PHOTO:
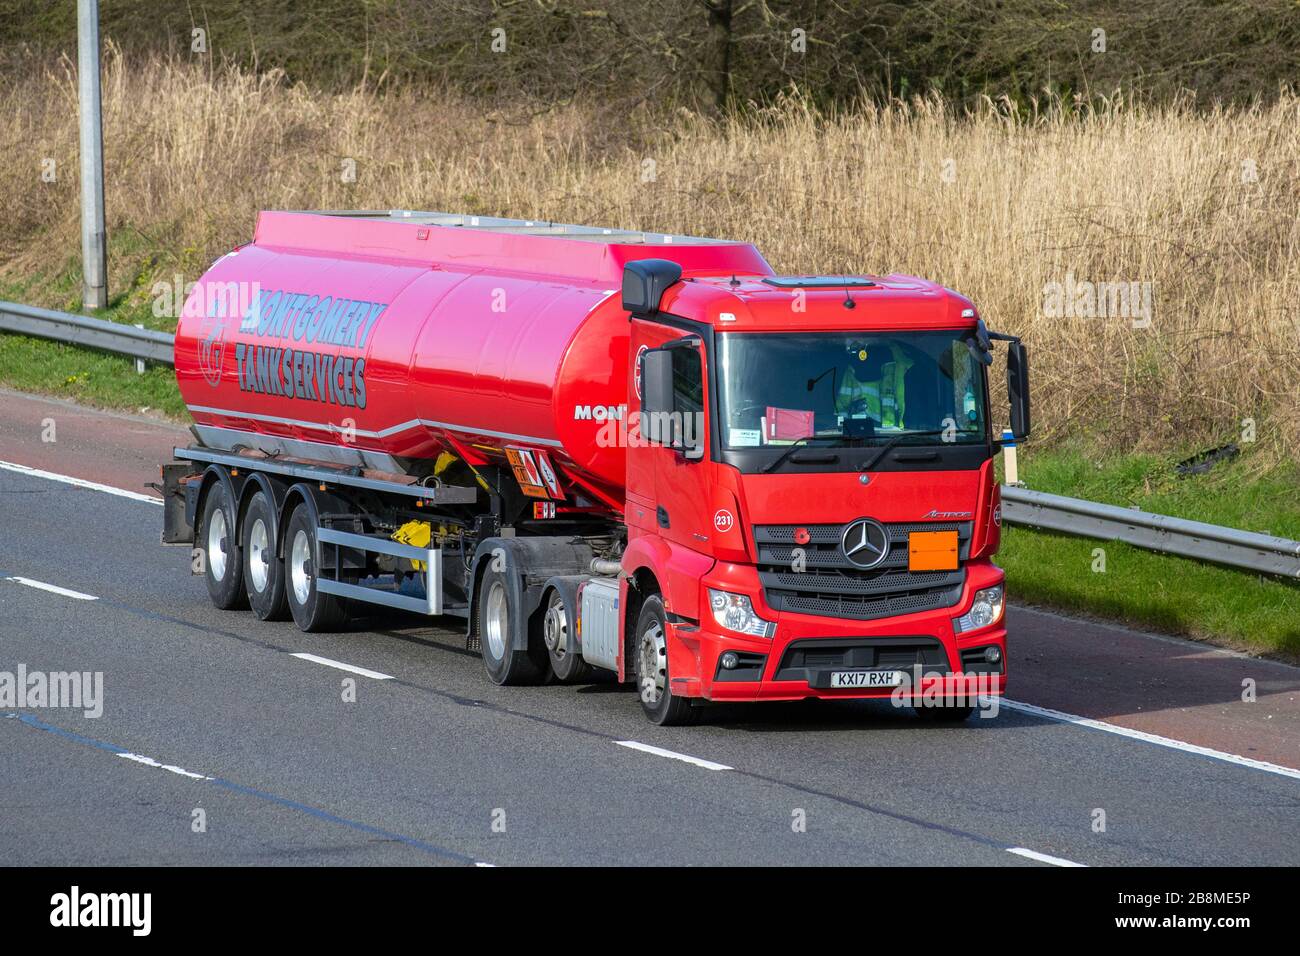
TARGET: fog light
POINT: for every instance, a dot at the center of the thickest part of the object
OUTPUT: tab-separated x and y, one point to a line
992	655
730	661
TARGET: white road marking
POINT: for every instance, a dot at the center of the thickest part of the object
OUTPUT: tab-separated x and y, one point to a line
490	866
150	762
672	755
52	588
1063	717
1043	857
78	482
343	667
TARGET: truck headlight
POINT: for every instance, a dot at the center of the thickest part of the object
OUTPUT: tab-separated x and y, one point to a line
986	609
735	612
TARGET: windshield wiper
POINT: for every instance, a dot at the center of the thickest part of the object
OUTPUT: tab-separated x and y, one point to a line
880	453
795	445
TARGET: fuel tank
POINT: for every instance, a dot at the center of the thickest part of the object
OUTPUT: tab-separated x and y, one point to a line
384	340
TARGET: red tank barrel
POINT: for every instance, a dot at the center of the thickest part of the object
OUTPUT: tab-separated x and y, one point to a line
385	339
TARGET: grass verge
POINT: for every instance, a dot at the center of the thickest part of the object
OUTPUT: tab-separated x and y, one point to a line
88	376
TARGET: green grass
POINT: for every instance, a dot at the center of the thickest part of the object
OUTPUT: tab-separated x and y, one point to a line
1257	613
88	376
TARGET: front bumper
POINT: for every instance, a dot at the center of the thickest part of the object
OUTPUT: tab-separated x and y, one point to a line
797	662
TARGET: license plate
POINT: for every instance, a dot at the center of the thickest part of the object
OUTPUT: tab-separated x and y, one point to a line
866	678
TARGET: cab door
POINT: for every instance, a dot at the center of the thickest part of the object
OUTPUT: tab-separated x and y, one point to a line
677	447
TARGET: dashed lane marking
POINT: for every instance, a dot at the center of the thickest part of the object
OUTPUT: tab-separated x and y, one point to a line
171	768
1043	857
52	588
339	665
78	482
672	755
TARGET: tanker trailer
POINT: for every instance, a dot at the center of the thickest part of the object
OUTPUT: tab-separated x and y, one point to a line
599	448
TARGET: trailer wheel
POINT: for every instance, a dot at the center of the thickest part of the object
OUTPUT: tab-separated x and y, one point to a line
312	609
505	665
263	571
557	635
223	564
653	683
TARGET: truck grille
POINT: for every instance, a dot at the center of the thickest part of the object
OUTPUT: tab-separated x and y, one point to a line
831	586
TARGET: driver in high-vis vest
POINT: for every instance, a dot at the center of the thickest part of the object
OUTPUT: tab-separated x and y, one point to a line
881	396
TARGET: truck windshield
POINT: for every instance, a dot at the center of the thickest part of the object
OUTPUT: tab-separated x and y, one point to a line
839	388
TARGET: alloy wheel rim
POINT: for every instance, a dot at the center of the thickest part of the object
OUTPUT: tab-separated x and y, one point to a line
300	567
217	552
654	662
496	620
259	555
555	628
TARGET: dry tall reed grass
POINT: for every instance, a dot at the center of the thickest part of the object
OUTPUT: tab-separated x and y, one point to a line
995	203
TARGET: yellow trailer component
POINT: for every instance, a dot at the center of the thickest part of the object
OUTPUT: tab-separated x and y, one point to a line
418	534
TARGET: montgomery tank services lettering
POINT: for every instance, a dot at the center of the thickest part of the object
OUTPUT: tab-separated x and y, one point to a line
312	374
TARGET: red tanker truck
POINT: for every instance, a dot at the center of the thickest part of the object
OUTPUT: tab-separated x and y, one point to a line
600	448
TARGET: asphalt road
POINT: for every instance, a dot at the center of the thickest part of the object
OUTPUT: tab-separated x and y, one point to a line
209	718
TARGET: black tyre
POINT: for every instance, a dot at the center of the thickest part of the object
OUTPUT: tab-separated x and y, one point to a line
944	715
505	665
312	609
263	570
223	564
554	622
653	683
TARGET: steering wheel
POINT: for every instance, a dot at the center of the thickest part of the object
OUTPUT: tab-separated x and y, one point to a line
855	406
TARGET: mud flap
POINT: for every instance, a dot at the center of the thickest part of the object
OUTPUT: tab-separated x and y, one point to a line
180	487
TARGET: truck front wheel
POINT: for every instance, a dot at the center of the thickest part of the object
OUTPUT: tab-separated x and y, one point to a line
312	609
506	665
223	563
653	682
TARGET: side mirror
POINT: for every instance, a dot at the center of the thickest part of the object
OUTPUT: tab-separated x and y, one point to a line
644	283
657	395
670	416
1018	388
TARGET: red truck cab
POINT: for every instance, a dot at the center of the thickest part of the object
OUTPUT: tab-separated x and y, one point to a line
816	506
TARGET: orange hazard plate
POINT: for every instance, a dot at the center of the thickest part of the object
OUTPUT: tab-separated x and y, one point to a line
932	551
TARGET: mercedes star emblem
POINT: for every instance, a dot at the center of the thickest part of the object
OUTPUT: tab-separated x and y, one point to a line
865	543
